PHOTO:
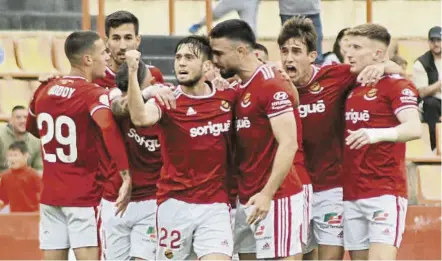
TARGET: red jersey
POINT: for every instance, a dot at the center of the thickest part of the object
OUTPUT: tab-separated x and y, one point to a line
377	169
299	160
20	188
144	164
265	95
70	140
321	110
195	140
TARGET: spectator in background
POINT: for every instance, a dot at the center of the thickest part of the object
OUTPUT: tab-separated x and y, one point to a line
247	11
310	9
261	52
20	185
16	131
338	53
426	77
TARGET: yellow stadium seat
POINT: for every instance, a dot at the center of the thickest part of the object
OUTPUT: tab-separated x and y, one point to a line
8	62
34	55
12	93
438	138
61	62
429	184
420	147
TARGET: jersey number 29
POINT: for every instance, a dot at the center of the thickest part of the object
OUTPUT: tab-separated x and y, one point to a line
54	128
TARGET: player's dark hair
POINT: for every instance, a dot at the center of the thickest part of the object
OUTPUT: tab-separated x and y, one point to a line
337	45
118	18
261	47
122	75
301	28
19	145
234	29
77	43
18	107
198	44
371	31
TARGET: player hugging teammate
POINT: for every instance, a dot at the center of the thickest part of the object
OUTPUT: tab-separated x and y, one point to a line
165	166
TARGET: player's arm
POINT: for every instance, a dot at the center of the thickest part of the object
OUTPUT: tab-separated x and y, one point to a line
141	114
31	121
373	73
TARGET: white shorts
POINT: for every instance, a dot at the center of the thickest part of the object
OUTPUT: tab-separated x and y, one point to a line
327	217
306	235
184	228
374	220
278	235
133	235
68	227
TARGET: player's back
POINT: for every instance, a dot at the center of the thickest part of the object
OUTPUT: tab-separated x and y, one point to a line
63	109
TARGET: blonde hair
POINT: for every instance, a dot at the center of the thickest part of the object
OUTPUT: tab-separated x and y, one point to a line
371	31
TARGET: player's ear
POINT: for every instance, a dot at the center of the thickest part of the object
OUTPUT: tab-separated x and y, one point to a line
138	39
242	50
87	59
207	66
312	56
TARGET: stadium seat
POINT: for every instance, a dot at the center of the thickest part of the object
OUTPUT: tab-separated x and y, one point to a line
12	93
429	184
34	55
438	138
8	62
420	147
61	62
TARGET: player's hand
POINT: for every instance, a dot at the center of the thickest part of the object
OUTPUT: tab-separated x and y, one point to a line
261	205
371	74
163	95
44	78
124	195
357	139
132	59
220	84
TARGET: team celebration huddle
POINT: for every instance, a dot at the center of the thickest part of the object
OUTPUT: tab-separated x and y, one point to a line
243	158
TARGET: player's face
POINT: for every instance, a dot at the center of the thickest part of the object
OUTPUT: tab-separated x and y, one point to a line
225	56
100	58
188	65
18	121
16	159
122	39
296	60
261	55
362	52
435	46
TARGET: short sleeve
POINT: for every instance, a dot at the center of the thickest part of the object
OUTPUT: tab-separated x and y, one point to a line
403	95
276	98
97	99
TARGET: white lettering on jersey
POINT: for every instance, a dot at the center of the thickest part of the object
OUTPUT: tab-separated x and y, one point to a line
306	109
61	91
214	129
355	116
408	96
151	145
243	123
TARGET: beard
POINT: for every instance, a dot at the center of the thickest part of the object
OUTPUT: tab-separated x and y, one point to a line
228	73
190	82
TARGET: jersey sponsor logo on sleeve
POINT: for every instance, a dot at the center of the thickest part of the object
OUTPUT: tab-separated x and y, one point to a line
306	109
356	116
61	91
243	123
225	106
246	100
315	88
149	144
281	101
371	94
408	96
214	129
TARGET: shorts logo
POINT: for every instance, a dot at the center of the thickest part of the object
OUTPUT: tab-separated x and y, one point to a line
152	232
246	100
225	106
168	253
380	215
316	88
371	94
225	243
341	234
333	218
386	231
266	246
259	231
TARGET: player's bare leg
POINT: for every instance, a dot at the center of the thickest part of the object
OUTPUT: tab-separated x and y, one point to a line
312	255
326	252
216	257
380	251
359	254
56	254
87	253
247	256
